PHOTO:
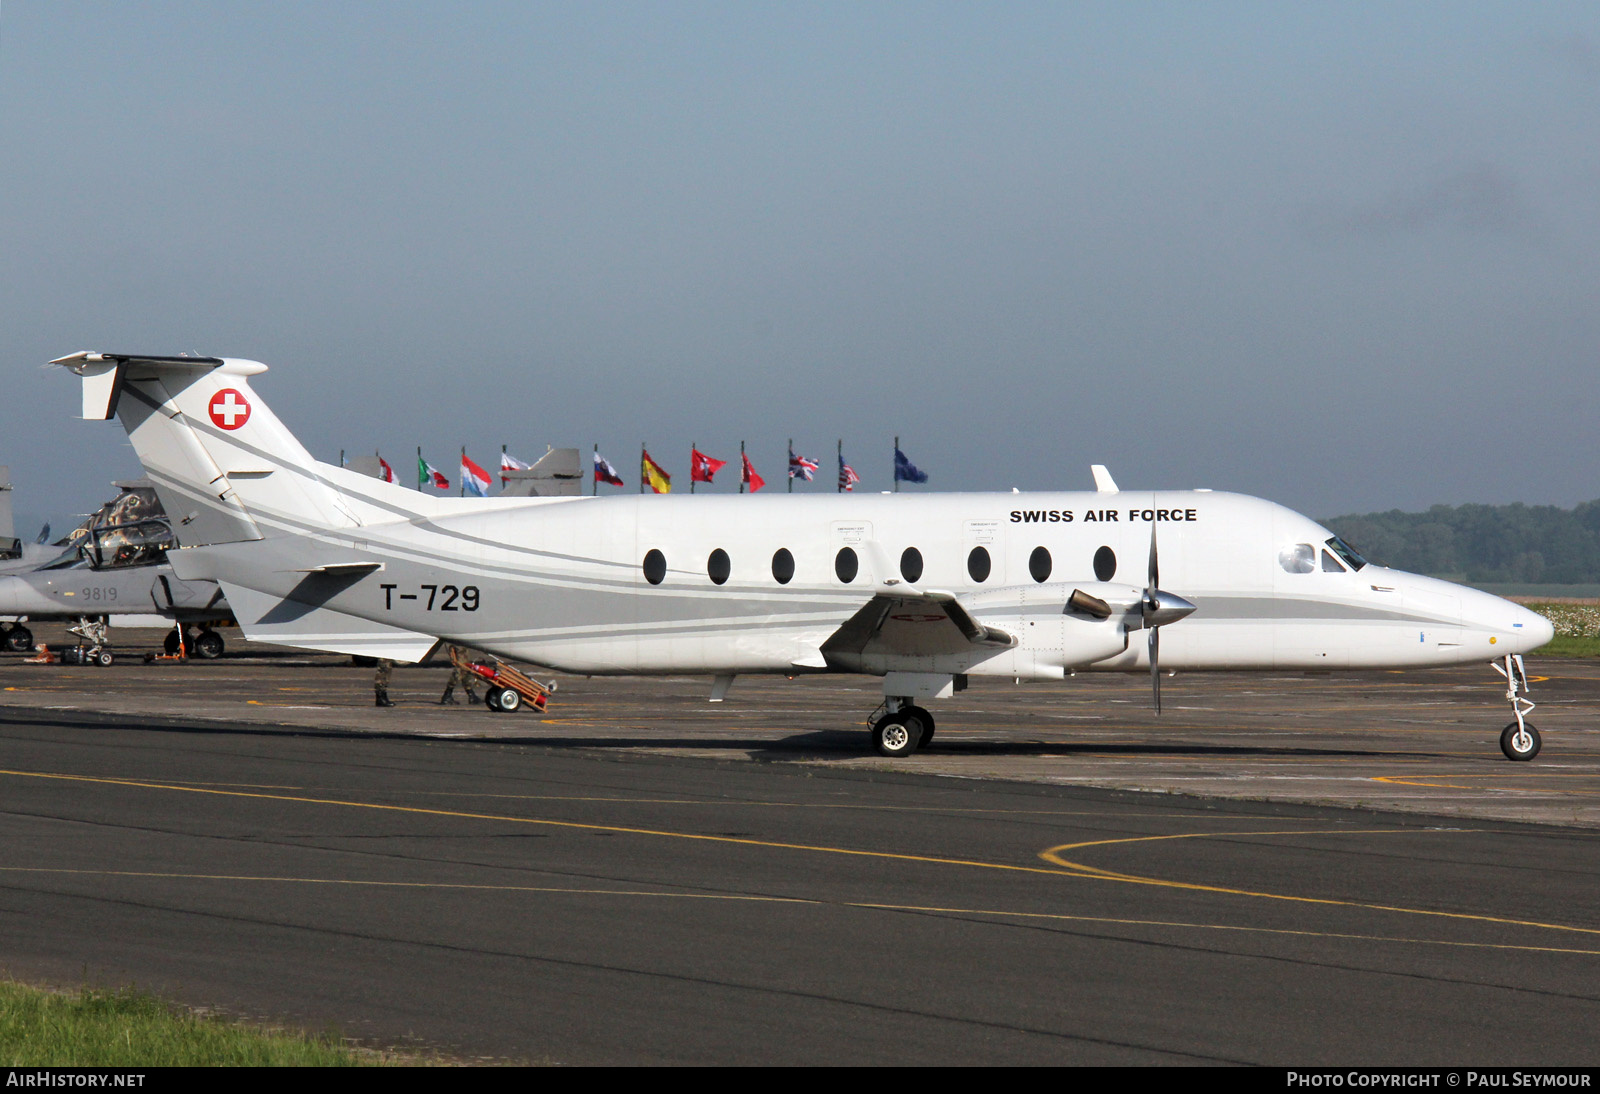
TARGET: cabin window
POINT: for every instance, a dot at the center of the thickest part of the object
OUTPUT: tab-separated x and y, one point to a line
655	566
782	566
846	564
1298	558
979	564
718	567
1039	564
910	564
1105	564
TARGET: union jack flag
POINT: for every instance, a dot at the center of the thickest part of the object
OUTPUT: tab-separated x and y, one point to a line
802	468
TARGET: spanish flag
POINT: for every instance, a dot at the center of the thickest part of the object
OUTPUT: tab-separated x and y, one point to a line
651	474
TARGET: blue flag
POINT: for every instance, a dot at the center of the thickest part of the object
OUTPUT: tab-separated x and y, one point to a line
905	470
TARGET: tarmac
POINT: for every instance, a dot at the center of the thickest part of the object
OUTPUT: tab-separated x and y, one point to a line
1414	741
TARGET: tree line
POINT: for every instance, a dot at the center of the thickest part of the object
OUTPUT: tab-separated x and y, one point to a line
1483	543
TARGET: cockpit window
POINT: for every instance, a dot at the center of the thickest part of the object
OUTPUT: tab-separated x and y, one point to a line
1298	558
141	544
129	530
1330	565
10	547
1352	558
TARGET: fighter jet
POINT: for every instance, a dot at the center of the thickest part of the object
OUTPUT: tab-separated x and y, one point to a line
921	590
113	567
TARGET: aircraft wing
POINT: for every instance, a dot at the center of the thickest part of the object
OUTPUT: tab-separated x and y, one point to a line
914	623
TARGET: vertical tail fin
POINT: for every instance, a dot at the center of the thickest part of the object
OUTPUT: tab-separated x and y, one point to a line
226	468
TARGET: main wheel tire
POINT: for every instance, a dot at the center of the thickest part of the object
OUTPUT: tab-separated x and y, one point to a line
510	700
897	734
491	699
1518	745
104	659
208	645
169	644
19	639
927	723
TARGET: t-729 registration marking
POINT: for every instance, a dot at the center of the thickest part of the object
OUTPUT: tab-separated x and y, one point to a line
442	598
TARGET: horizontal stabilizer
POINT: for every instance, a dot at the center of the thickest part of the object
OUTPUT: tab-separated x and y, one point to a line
267	618
358	568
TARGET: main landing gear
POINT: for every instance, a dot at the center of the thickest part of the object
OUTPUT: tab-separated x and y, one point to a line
207	645
15	637
902	728
1519	740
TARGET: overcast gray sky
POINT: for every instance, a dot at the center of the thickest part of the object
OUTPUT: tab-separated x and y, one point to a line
1345	256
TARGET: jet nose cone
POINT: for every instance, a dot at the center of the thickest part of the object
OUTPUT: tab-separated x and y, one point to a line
1514	629
1535	631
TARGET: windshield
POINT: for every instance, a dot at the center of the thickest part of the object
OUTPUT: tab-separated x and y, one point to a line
1352	557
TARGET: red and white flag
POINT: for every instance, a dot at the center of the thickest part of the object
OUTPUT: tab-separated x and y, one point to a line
509	463
474	479
702	466
386	473
749	477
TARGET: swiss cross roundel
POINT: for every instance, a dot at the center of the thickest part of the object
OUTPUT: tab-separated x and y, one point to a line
229	409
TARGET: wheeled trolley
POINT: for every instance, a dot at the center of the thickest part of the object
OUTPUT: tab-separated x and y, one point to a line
509	689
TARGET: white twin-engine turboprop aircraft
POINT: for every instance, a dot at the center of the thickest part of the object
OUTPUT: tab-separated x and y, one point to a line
923	590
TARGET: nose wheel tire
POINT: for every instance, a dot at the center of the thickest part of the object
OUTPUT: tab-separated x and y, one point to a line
1520	742
897	734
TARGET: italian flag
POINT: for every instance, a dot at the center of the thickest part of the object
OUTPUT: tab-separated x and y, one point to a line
428	475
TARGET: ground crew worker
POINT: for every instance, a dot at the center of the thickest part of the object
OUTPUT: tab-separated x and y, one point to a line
380	683
459	675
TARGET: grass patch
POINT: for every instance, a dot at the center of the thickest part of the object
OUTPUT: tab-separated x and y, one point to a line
127	1028
1577	629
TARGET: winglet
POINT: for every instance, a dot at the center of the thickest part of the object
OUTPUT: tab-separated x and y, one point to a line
1103	482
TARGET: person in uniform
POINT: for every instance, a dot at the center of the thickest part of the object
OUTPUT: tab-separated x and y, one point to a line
380	683
459	675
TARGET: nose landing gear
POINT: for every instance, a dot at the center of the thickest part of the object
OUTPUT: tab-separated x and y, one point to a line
1519	740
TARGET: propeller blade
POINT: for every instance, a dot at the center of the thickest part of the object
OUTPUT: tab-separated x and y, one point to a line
1155	570
1155	666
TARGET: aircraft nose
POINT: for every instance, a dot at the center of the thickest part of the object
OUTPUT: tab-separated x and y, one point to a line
1535	630
1511	627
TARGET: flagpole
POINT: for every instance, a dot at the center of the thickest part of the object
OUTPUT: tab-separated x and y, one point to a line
741	467
595	490
419	469
839	489
641	467
897	465
461	488
694	446
791	465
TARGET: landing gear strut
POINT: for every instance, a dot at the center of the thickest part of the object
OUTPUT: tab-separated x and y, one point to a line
1519	740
